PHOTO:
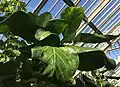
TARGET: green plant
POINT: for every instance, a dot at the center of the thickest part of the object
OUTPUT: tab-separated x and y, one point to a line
10	6
42	58
100	79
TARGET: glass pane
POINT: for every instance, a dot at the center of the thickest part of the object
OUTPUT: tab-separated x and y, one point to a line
32	5
47	6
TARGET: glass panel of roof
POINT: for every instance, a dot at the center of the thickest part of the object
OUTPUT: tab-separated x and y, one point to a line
87	29
110	19
32	5
114	30
1	36
102	46
105	13
116	45
56	7
4	38
57	15
47	6
111	22
89	10
114	51
82	2
119	42
26	1
88	45
88	5
113	54
89	2
59	8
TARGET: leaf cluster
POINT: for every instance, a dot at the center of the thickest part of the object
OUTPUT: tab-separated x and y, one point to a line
10	6
42	57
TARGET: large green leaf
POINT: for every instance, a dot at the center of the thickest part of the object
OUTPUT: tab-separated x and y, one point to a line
89	58
110	64
47	38
43	19
42	34
60	61
74	15
69	2
92	38
57	25
21	25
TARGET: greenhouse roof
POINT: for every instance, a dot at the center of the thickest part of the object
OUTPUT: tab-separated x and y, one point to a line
104	14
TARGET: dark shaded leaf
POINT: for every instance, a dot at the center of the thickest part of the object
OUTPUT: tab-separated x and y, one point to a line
60	61
21	25
11	84
25	72
56	25
89	82
2	18
43	19
33	17
8	68
110	64
3	28
47	38
93	38
69	2
74	15
107	84
110	37
89	58
94	73
68	39
36	65
1	44
80	83
26	51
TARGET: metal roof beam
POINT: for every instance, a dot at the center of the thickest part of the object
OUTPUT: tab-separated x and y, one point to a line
113	41
39	7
